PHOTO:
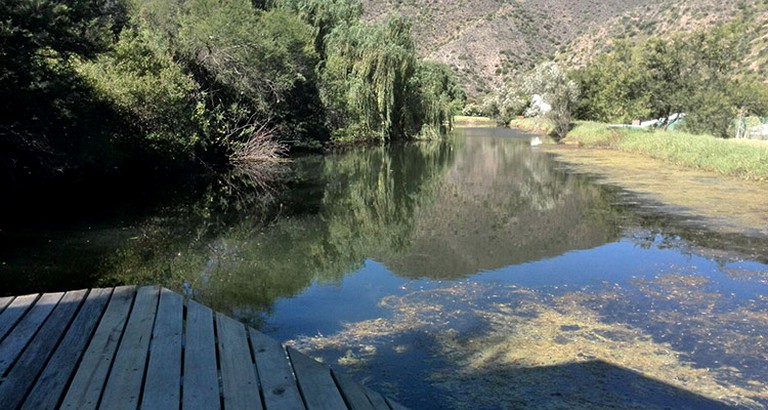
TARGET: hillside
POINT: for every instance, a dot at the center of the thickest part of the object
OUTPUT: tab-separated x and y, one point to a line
668	18
489	41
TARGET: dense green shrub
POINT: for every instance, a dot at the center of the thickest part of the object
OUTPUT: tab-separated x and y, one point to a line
698	74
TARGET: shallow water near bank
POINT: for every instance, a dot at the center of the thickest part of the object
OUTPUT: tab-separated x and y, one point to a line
722	203
474	273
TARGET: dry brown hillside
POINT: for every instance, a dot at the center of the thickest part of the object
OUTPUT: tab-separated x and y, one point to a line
489	41
667	18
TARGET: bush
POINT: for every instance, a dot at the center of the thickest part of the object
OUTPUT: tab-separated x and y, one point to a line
561	93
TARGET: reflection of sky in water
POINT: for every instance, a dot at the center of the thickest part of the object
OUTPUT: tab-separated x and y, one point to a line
323	308
619	263
412	260
615	280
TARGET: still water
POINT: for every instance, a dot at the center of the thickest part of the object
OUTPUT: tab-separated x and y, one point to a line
472	273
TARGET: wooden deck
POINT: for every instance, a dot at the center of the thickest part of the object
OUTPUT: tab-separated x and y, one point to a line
128	348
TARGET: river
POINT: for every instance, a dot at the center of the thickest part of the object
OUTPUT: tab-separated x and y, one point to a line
472	273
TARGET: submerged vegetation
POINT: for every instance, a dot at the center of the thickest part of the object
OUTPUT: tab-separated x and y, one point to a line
130	87
671	341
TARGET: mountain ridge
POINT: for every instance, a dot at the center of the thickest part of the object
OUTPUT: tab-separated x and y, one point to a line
490	42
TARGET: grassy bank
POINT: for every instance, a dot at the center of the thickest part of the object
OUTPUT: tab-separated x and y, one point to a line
535	125
739	158
467	121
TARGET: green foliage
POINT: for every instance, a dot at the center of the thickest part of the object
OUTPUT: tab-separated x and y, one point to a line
727	157
555	88
150	91
613	88
505	105
440	96
698	74
367	83
325	15
102	84
49	121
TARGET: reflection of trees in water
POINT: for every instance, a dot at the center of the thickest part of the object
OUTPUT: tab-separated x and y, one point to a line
501	204
237	260
440	210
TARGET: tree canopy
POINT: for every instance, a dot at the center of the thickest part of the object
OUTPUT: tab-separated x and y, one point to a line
698	74
118	84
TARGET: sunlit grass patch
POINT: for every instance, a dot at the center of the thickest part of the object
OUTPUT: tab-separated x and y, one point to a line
726	157
469	121
538	125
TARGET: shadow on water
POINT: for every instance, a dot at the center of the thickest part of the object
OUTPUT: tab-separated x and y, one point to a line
593	384
672	342
476	270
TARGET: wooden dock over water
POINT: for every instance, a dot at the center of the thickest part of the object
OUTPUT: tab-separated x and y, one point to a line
148	348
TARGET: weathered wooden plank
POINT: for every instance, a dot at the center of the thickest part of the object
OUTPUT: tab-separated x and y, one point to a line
86	387
14	312
123	388
240	386
275	373
5	301
49	388
144	337
30	364
378	401
353	392
315	383
162	388
13	345
200	390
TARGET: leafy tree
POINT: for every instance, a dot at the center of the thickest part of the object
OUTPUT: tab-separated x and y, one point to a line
252	67
49	121
367	80
552	84
440	96
151	93
698	74
613	87
505	105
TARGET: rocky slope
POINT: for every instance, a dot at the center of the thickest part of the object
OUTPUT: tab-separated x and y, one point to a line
488	42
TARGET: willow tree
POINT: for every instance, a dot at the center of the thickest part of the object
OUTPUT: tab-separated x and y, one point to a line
440	97
324	15
367	80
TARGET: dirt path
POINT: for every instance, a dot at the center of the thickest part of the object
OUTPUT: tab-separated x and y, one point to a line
725	204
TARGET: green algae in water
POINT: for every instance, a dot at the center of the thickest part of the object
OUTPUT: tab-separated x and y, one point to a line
651	344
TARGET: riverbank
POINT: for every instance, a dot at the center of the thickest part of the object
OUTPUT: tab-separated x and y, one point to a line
713	183
463	121
720	203
743	159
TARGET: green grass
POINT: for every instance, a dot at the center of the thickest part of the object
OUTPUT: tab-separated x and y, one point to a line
467	121
739	158
728	157
538	125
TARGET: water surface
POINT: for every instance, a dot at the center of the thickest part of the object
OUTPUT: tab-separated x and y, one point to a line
472	273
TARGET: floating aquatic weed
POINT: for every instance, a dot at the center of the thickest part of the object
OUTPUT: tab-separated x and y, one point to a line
564	340
495	346
743	275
